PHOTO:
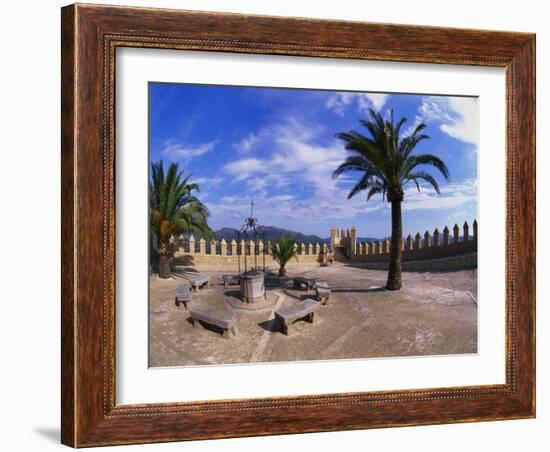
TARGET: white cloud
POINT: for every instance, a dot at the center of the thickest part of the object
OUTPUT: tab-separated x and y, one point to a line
272	209
256	184
282	198
457	116
297	161
294	153
207	180
179	151
374	100
293	184
230	199
338	102
248	143
331	205
452	196
245	168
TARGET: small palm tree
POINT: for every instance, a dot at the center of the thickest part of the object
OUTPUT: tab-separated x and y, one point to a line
173	209
386	164
282	251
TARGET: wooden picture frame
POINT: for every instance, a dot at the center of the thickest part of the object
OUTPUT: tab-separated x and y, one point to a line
90	36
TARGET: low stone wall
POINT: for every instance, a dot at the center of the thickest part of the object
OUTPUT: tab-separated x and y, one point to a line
451	263
221	255
231	263
452	248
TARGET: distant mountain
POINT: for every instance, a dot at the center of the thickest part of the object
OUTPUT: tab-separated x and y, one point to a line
272	233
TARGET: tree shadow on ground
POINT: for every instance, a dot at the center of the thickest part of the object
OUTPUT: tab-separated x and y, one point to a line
304	295
433	269
358	290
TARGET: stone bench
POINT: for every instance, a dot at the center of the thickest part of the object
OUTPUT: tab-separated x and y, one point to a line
303	282
231	280
198	280
322	291
289	314
218	315
183	294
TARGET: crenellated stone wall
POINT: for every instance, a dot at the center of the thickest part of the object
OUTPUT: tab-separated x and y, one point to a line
344	247
222	254
429	245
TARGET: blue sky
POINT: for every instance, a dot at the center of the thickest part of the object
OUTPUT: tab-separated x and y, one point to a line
278	147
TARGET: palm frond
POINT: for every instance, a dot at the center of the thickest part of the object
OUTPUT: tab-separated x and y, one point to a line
283	250
421	175
426	159
352	163
173	208
384	159
374	190
368	180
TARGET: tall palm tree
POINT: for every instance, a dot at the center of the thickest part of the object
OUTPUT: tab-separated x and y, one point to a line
386	163
173	209
282	251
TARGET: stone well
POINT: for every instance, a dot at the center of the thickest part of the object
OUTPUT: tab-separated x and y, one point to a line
253	286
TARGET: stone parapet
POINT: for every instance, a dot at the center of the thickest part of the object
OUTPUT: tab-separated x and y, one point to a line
441	264
223	255
422	245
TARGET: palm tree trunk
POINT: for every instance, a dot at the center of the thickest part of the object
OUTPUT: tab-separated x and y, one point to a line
164	259
282	270
396	251
164	267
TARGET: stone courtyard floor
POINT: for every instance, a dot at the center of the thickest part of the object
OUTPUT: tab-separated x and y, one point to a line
434	314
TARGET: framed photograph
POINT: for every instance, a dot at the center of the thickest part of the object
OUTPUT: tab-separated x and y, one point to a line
281	225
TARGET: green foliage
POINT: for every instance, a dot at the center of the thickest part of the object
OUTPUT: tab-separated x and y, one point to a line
283	250
385	158
173	207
